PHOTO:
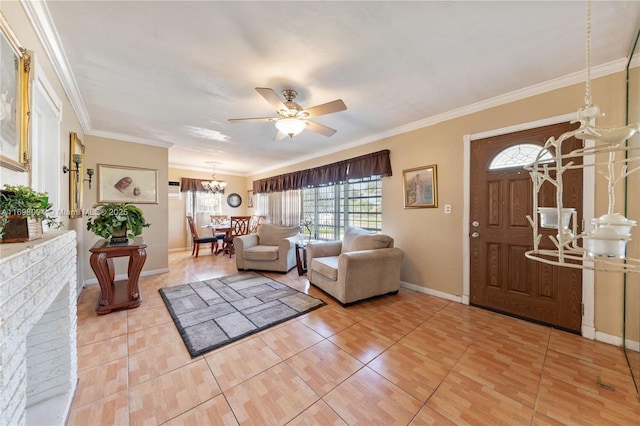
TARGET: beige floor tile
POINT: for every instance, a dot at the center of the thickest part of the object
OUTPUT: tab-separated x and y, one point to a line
273	397
411	371
154	313
328	320
585	375
94	354
318	414
573	405
150	337
608	356
96	328
323	366
157	361
110	410
290	338
213	412
427	416
367	398
500	373
235	364
374	362
167	396
361	342
467	402
100	382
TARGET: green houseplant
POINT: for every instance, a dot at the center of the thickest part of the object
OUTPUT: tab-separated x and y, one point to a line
22	211
117	221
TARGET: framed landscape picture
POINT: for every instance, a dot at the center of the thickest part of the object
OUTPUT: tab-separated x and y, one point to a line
122	184
15	64
420	187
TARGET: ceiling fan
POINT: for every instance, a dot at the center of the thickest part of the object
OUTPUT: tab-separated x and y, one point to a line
292	118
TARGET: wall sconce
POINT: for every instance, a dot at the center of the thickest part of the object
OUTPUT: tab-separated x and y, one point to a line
77	159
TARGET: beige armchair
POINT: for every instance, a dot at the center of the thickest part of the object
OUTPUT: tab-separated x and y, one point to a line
270	248
361	266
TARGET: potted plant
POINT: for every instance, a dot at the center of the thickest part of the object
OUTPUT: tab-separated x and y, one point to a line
22	211
117	221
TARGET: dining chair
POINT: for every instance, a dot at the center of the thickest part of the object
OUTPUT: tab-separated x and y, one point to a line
197	240
254	222
219	219
239	226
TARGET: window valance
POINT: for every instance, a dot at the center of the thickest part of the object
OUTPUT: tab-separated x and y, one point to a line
373	164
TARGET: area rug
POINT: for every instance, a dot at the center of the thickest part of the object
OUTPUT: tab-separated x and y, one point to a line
212	313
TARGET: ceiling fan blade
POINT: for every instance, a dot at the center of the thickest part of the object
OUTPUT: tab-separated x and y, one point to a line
319	128
328	108
239	120
271	97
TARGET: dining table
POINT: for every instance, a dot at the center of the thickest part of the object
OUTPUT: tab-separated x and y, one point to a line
217	228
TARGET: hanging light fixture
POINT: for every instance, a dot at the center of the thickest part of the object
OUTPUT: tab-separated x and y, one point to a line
291	126
214	185
603	248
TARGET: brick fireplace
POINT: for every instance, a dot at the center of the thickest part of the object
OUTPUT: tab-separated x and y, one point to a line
38	354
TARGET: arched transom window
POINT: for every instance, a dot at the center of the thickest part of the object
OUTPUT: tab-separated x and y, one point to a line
520	155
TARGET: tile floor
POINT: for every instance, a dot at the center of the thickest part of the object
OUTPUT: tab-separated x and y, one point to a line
397	360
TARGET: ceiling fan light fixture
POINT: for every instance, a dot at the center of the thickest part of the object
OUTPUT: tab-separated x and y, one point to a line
290	126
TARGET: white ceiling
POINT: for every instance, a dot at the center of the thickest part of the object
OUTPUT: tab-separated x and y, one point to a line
172	73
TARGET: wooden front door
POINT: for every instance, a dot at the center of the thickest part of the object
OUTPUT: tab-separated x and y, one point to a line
502	278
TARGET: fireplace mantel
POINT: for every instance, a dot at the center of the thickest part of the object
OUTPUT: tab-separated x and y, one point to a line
38	354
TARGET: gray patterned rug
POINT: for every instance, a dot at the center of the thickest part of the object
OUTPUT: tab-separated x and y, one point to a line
212	313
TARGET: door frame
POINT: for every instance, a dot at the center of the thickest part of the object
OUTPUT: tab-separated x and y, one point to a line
588	208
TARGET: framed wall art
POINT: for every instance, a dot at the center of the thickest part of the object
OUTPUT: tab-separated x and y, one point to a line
250	198
420	187
76	175
122	184
14	100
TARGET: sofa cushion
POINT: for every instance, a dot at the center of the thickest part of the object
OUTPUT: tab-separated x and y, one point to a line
261	252
327	266
356	239
271	235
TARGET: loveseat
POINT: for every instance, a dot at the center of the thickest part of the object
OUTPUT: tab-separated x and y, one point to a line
270	248
362	265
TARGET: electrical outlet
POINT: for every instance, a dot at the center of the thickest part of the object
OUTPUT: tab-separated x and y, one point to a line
447	208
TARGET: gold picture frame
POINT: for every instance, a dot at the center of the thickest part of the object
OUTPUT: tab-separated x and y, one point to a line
123	184
14	100
250	198
76	176
420	187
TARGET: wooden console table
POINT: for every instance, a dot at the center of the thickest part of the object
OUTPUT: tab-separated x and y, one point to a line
122	293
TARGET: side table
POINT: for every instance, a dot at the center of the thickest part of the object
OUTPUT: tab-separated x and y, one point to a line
301	256
122	293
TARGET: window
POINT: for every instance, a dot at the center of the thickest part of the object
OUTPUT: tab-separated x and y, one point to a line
334	207
520	155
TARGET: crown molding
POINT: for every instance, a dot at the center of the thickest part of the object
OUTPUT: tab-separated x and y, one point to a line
40	18
127	138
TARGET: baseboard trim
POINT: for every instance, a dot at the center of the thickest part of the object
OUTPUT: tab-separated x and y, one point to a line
431	292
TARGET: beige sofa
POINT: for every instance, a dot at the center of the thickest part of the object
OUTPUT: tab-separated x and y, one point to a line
361	266
270	248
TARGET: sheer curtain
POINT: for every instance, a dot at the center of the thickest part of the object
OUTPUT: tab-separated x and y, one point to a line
281	208
199	204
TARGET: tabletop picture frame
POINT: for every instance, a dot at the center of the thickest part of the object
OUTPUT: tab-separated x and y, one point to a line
14	138
420	187
124	184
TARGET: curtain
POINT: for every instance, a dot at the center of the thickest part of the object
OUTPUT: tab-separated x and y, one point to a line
282	208
373	164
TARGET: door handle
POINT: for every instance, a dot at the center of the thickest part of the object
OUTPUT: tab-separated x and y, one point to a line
475	235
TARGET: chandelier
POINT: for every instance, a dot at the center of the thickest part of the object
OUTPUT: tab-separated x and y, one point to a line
604	247
214	185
